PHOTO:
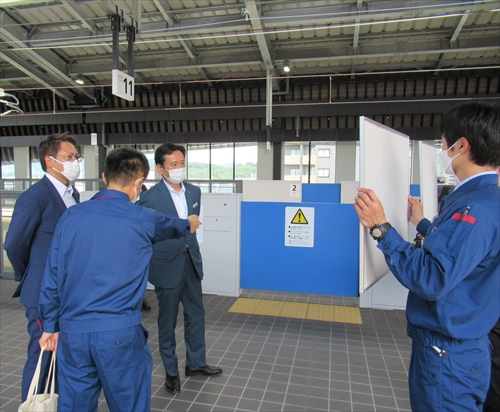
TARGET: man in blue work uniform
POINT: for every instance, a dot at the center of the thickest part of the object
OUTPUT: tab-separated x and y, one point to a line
93	288
453	280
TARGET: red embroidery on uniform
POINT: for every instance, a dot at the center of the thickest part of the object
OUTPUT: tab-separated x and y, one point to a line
464	218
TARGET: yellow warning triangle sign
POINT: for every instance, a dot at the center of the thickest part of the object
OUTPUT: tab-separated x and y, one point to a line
299	218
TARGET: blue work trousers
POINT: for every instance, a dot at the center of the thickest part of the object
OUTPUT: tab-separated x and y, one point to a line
118	361
449	378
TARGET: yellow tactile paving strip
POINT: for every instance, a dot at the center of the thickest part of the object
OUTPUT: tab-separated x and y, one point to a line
297	310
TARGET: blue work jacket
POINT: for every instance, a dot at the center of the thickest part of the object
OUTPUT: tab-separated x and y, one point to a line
97	267
454	278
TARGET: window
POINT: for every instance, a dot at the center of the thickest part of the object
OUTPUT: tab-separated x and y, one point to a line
245	161
198	161
324	172
324	153
294	152
223	162
295	172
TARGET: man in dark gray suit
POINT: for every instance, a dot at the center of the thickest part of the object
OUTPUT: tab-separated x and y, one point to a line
176	269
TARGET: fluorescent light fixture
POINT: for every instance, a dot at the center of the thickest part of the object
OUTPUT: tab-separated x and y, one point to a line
286	66
79	80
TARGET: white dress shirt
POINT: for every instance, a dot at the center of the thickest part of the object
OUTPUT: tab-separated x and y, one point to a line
179	198
66	192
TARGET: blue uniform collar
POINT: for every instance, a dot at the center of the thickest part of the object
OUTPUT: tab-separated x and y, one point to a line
114	194
479	181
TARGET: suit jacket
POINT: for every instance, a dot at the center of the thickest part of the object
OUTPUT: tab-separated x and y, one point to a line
169	256
27	242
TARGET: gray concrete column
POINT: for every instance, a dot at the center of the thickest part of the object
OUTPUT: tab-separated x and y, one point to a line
345	162
22	166
264	162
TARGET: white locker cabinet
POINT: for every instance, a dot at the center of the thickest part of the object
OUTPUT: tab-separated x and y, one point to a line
220	243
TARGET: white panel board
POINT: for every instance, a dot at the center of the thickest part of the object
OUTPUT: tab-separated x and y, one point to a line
348	191
272	191
428	179
384	168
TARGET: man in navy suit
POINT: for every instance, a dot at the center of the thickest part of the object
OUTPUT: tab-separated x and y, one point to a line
176	269
34	220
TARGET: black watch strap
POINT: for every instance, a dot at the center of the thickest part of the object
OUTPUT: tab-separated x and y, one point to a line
378	232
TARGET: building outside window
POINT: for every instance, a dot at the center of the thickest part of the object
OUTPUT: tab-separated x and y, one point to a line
323	172
303	161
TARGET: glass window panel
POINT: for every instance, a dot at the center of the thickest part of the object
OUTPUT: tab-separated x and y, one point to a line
149	152
198	162
204	186
245	159
223	187
323	152
7	207
36	168
7	163
222	161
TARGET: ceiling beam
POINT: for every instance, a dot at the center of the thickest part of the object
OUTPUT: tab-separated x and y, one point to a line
41	78
164	9
79	14
47	60
454	37
355	40
332	54
264	45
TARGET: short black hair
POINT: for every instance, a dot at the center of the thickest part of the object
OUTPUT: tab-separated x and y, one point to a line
124	165
479	123
165	149
51	145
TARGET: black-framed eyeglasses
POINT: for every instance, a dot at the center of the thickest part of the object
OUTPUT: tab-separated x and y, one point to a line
70	157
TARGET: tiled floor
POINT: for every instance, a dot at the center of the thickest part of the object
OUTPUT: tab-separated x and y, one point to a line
270	364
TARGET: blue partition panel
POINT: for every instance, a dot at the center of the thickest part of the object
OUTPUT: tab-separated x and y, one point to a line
321	192
415	190
331	267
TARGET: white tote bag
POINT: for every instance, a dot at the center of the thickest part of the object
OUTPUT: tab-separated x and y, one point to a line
46	401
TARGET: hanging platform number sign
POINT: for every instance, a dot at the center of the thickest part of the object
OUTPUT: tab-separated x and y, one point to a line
122	85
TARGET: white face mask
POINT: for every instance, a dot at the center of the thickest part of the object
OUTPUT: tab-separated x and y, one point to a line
137	196
446	160
176	176
71	169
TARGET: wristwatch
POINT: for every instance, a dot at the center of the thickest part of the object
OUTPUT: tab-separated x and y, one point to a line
378	232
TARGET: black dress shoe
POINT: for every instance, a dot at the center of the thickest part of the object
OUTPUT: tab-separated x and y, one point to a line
145	305
206	370
173	384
